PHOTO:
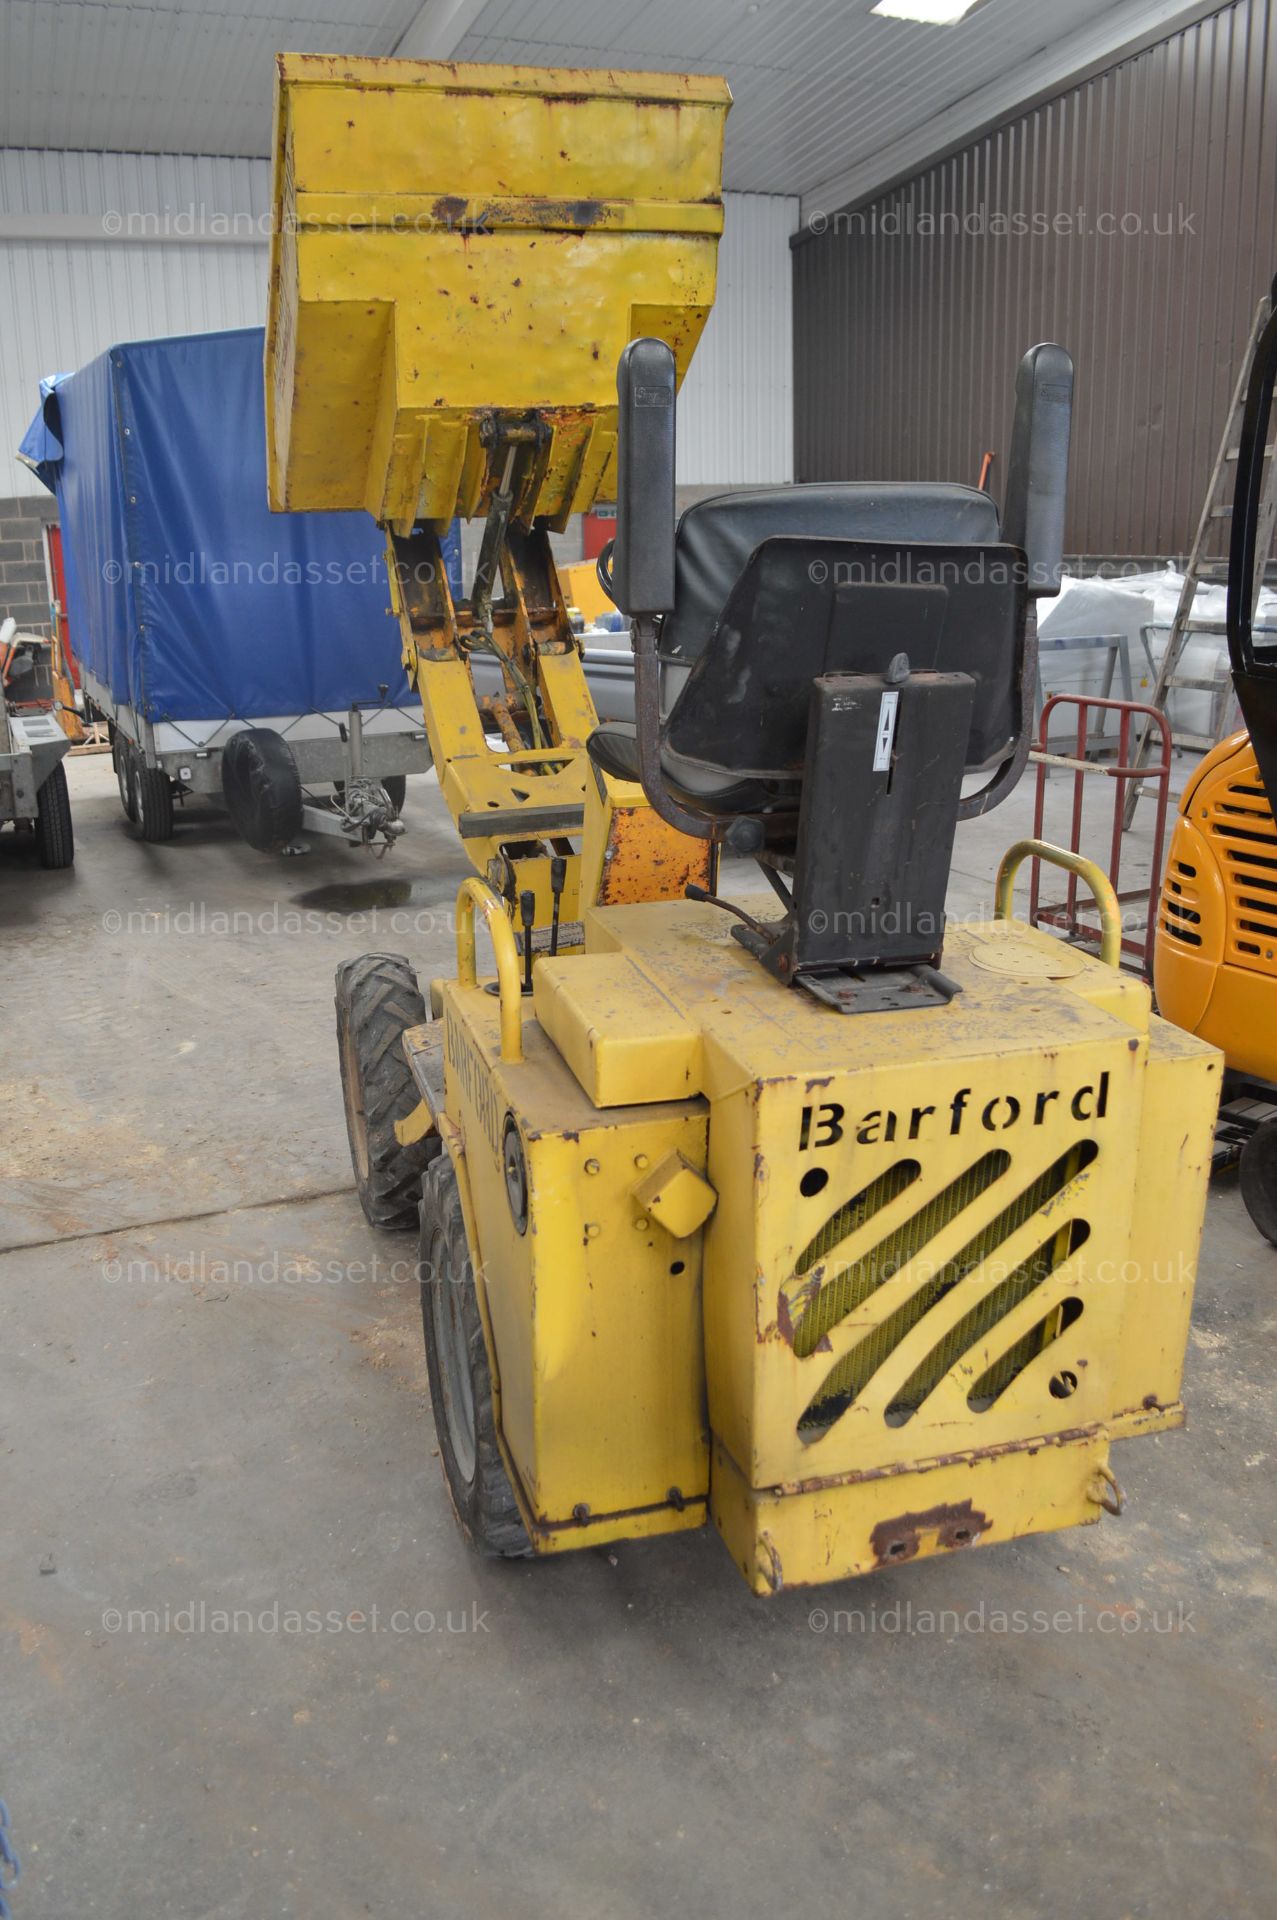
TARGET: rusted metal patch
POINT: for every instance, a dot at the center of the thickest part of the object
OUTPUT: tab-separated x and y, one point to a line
1030	1447
959	1524
647	860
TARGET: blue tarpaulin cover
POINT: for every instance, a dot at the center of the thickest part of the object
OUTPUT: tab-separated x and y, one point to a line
188	598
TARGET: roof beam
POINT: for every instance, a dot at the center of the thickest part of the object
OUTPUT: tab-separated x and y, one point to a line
1119	32
139	228
438	29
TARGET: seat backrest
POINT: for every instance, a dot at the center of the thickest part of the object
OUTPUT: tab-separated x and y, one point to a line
803	607
717	536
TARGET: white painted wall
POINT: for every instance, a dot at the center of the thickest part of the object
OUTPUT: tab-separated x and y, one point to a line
736	410
101	247
67	297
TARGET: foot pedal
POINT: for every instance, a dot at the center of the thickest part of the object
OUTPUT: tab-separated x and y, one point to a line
893	990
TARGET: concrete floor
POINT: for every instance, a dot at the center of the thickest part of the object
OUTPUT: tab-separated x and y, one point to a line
212	1397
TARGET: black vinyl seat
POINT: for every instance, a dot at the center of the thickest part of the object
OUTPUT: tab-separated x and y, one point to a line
614	747
776	587
716	537
818	669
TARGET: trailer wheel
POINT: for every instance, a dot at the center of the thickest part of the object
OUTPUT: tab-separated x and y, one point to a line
122	757
261	787
152	801
1257	1177
54	839
460	1378
377	1000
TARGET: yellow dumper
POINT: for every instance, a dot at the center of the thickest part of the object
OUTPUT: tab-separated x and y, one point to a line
862	1240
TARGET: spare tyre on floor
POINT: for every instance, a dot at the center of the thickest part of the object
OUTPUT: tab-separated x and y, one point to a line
262	789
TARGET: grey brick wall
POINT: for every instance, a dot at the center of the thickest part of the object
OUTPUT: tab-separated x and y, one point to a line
24	591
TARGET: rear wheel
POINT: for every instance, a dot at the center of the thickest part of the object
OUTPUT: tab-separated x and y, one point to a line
377	1001
122	755
55	842
152	801
1257	1176
460	1378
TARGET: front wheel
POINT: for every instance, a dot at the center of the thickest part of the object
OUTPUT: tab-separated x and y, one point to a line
461	1397
378	999
1257	1177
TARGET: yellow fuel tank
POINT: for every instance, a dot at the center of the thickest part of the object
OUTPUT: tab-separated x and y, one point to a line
456	245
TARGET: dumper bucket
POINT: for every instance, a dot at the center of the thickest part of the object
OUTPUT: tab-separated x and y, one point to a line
457	247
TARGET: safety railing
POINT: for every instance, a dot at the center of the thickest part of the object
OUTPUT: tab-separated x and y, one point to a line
474	896
1078	868
1122	770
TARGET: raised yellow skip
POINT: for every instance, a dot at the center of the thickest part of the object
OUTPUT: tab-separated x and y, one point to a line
460	255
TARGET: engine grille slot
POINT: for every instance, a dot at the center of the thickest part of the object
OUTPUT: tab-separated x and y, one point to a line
861	1207
845	1382
1244	833
995	1380
983	1317
1180	904
1225	830
836	1298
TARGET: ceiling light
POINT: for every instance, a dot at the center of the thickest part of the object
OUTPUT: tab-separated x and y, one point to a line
935	13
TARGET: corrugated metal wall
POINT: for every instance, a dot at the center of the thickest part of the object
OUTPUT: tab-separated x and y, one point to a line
66	299
910	314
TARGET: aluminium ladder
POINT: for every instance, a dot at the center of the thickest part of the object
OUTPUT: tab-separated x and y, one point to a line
1210	568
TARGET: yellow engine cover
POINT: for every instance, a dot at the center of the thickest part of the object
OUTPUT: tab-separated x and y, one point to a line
1215	961
938	1258
453	241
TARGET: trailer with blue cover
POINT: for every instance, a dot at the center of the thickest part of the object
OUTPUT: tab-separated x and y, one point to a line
233	651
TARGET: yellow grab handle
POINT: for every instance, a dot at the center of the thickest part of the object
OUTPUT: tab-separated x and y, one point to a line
474	893
1095	877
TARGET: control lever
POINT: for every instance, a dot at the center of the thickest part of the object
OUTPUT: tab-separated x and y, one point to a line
558	880
527	915
692	892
